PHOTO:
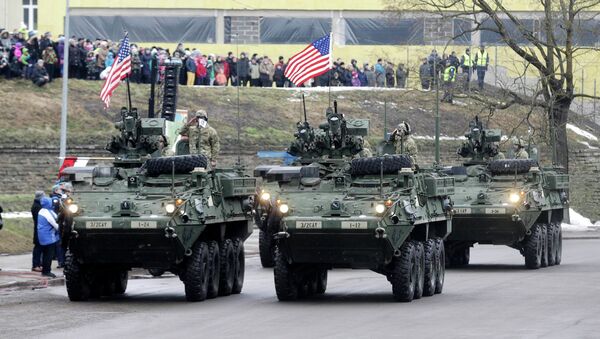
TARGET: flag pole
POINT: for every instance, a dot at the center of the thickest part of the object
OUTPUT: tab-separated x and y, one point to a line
65	91
330	66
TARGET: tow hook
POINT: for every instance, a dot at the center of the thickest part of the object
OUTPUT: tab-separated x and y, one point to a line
281	235
380	233
170	233
74	234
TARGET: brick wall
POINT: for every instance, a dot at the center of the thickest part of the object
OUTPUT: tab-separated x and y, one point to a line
245	30
437	31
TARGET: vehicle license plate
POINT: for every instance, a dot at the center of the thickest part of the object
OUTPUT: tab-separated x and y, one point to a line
462	210
354	225
495	210
143	224
98	224
308	225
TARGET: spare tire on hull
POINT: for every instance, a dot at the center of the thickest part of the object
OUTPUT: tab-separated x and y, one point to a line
391	164
183	164
511	166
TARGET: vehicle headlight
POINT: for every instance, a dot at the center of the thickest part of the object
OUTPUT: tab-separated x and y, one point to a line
265	196
379	208
74	208
514	197
170	208
284	208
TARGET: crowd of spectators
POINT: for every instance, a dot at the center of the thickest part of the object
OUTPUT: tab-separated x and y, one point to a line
41	58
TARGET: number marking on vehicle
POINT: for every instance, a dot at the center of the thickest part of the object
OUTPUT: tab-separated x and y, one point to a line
98	224
354	225
495	210
143	224
308	225
462	210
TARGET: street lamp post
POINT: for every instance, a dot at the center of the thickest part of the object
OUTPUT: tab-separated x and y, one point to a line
65	91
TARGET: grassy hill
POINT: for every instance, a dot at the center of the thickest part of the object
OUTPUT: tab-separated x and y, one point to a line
30	115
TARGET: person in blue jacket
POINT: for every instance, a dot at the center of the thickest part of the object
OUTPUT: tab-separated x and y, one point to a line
48	235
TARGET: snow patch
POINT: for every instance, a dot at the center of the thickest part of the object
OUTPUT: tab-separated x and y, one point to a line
16	215
581	132
588	145
579	223
459	103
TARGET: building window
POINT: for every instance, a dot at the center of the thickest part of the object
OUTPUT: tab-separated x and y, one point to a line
30	8
384	31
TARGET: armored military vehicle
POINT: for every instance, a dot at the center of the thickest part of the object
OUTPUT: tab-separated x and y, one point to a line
158	213
512	202
327	145
368	213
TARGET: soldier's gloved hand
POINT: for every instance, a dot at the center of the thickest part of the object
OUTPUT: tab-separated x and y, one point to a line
213	163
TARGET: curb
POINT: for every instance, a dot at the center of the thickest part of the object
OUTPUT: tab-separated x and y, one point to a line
33	284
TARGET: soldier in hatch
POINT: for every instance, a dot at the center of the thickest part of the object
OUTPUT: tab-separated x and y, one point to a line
403	142
202	138
519	148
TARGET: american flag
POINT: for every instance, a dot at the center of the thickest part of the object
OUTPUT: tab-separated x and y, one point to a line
119	71
313	61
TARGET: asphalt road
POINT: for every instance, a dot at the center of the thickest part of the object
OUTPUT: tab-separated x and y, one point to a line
493	297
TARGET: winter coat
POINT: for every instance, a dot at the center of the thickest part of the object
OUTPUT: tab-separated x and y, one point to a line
47	226
35	209
363	79
146	61
74	56
244	67
254	73
266	69
190	65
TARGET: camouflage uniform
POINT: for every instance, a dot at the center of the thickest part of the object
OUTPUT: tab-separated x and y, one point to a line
202	140
521	154
407	145
366	151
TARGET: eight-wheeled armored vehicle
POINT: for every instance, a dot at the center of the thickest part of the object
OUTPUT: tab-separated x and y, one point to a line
512	202
368	213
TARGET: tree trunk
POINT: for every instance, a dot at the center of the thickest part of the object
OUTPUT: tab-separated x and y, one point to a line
559	113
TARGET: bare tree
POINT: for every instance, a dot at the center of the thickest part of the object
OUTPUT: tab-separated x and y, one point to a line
550	47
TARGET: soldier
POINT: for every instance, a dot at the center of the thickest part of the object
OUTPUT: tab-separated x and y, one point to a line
519	148
403	142
163	147
202	138
366	151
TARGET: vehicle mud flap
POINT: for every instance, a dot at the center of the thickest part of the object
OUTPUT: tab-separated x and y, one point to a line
266	247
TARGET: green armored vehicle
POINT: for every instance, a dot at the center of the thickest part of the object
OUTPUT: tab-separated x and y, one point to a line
506	202
158	213
371	213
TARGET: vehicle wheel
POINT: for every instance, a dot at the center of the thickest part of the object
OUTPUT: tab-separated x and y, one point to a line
440	269
544	261
78	287
321	280
404	273
419	285
533	248
373	165
285	280
429	255
240	268
227	269
551	232
196	275
215	270
156	272
182	164
511	166
266	249
121	279
558	237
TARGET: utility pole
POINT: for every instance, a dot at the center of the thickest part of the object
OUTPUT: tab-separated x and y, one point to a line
65	90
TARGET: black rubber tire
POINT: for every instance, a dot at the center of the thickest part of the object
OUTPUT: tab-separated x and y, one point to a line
196	275
120	279
183	164
240	266
419	285
429	269
460	257
511	166
78	287
266	247
215	270
404	273
544	262
440	270
227	267
558	244
551	233
369	166
308	284
156	272
532	248
286	286
321	281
